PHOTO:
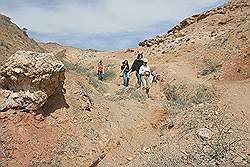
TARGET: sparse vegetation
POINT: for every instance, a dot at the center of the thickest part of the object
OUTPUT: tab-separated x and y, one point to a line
5	45
86	93
68	147
129	93
181	96
223	148
196	109
210	67
90	74
75	67
110	74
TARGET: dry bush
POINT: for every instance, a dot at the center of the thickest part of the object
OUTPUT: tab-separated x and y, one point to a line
110	74
225	145
129	93
74	67
196	108
183	96
69	148
210	67
43	163
87	72
86	93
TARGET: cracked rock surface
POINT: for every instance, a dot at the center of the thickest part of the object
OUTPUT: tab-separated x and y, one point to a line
28	78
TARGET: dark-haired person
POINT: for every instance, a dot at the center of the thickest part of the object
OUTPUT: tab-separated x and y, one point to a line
100	71
125	72
138	62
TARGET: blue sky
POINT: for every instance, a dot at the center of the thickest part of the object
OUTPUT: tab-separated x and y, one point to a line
100	24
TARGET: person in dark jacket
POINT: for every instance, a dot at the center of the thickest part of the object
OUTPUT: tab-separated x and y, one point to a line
125	72
138	62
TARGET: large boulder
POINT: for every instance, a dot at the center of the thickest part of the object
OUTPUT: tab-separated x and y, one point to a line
28	79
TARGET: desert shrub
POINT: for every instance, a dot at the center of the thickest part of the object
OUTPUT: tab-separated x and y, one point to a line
202	94
110	74
5	44
75	67
87	72
196	108
68	147
224	146
43	163
210	67
100	86
223	149
182	96
129	93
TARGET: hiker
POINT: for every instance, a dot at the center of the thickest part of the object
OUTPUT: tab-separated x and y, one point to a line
125	72
100	71
145	75
138	62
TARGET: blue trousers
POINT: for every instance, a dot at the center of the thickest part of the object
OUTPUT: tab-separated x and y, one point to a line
138	76
125	78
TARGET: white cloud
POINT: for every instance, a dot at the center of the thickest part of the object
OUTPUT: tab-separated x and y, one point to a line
99	16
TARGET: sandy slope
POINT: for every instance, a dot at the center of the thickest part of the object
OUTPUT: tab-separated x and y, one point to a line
12	38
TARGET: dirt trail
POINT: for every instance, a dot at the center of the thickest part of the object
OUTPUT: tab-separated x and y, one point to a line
131	122
236	95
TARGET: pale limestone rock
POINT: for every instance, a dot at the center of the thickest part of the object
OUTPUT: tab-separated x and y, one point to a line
28	78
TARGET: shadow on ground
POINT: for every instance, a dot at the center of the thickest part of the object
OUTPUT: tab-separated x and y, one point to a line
54	102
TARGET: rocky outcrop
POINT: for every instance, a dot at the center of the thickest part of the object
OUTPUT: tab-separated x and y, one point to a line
174	32
28	79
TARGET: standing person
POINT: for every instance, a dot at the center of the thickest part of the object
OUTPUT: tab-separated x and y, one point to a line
138	62
100	71
125	72
145	75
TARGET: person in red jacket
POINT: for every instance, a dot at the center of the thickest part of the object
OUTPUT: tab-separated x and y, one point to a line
100	71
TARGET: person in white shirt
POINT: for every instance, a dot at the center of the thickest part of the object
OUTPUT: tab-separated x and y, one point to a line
145	75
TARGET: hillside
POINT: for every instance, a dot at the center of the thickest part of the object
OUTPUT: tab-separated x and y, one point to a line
197	113
218	38
12	38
